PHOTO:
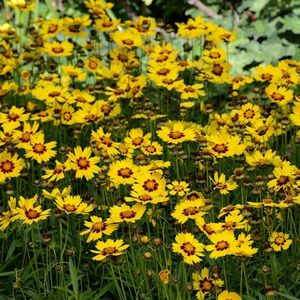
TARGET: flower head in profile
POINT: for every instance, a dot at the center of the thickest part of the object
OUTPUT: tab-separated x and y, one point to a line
73	205
109	248
225	295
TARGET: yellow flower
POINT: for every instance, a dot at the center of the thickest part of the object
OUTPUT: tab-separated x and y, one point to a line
188	209
125	213
148	188
23	5
224	243
179	188
244	246
29	211
109	248
223	185
152	148
136	138
105	24
73	73
122	172
214	55
164	276
58	49
10	166
7	216
82	163
55	174
280	241
50	28
193	91
96	228
192	29
222	144
13	118
189	247
205	284
103	142
73	205
56	193
22	137
39	150
74	27
279	94
258	158
127	38
175	132
225	295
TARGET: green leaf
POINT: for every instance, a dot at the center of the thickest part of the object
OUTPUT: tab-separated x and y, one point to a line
74	277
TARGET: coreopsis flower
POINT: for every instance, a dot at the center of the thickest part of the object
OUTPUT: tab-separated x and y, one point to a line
39	150
96	227
58	49
244	246
234	221
13	118
225	295
189	247
188	209
214	55
248	113
149	187
125	213
50	28
194	28
82	163
75	27
205	284
57	193
224	243
163	71
109	248
216	72
73	73
122	172
175	132
23	5
285	176
179	188
10	166
127	38
258	158
152	148
22	137
223	185
279	241
295	116
73	205
6	217
105	24
222	144
103	142
264	73
136	138
29	211
193	91
55	174
279	94
164	276
261	130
